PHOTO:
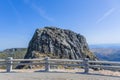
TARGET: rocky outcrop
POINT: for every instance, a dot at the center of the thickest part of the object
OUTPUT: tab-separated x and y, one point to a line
58	43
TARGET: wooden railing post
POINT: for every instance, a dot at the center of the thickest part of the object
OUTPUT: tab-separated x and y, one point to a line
9	64
86	65
47	65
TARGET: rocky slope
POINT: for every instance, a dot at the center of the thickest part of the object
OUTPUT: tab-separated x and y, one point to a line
58	43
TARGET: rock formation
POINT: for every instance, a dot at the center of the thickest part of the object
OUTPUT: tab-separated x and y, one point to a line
58	43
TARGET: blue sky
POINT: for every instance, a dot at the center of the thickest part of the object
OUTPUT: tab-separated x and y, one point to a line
97	20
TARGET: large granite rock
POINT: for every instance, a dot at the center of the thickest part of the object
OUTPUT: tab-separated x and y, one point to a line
58	43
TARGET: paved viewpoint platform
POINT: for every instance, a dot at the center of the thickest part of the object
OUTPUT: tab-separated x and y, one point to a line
55	76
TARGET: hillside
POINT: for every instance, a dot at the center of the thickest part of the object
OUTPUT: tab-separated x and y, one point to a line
16	53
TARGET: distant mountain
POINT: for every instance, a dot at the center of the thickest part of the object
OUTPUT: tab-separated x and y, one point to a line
114	46
13	52
109	52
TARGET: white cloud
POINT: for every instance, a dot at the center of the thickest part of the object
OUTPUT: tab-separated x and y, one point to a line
105	15
17	14
42	13
26	1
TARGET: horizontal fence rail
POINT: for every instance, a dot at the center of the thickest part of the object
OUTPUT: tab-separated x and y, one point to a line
105	62
47	62
27	59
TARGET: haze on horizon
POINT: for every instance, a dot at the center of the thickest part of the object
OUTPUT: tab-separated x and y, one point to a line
97	20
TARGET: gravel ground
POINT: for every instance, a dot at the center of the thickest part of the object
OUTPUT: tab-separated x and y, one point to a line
55	75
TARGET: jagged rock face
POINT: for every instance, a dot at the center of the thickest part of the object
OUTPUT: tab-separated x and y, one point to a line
58	43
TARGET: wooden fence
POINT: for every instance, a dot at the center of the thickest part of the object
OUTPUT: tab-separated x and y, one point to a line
86	64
